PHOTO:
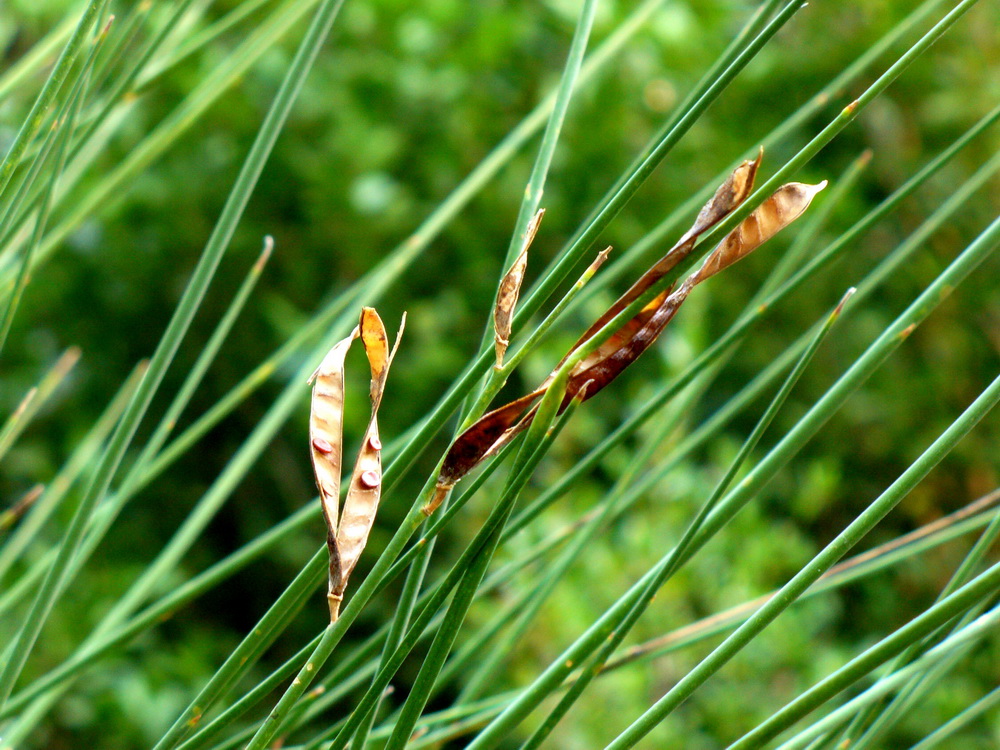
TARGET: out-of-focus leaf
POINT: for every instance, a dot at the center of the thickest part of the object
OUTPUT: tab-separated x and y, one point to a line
15	512
510	288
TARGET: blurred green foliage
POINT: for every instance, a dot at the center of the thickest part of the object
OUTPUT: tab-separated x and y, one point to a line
406	99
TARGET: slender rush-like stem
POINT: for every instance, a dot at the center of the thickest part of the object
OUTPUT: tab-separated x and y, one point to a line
813	570
179	323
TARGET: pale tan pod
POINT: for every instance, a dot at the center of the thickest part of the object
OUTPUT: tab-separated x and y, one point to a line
783	207
365	489
326	427
510	289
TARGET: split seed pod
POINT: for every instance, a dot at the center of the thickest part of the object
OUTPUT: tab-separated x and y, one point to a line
365	490
326	437
728	197
348	535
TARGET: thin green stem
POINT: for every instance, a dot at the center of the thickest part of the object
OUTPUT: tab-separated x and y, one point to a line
673	561
946	730
47	95
35	58
553	675
968	596
907	696
61	137
808	575
184	313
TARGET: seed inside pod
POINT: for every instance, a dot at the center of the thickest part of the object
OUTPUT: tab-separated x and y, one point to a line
375	443
370	479
323	446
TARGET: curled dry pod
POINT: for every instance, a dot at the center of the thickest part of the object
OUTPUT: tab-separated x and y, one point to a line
778	211
510	288
486	436
785	205
727	198
365	490
622	348
326	430
495	429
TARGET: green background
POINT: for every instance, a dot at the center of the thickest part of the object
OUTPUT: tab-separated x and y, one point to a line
405	100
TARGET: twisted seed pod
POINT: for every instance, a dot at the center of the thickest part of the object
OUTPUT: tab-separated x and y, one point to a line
510	288
326	430
624	346
365	489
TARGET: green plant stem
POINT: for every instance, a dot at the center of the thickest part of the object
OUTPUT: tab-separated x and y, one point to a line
489	663
115	98
49	91
861	565
864	564
125	83
444	640
26	181
186	308
127	30
36	58
976	590
61	136
815	568
908	693
482	546
206	356
946	730
673	561
550	137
